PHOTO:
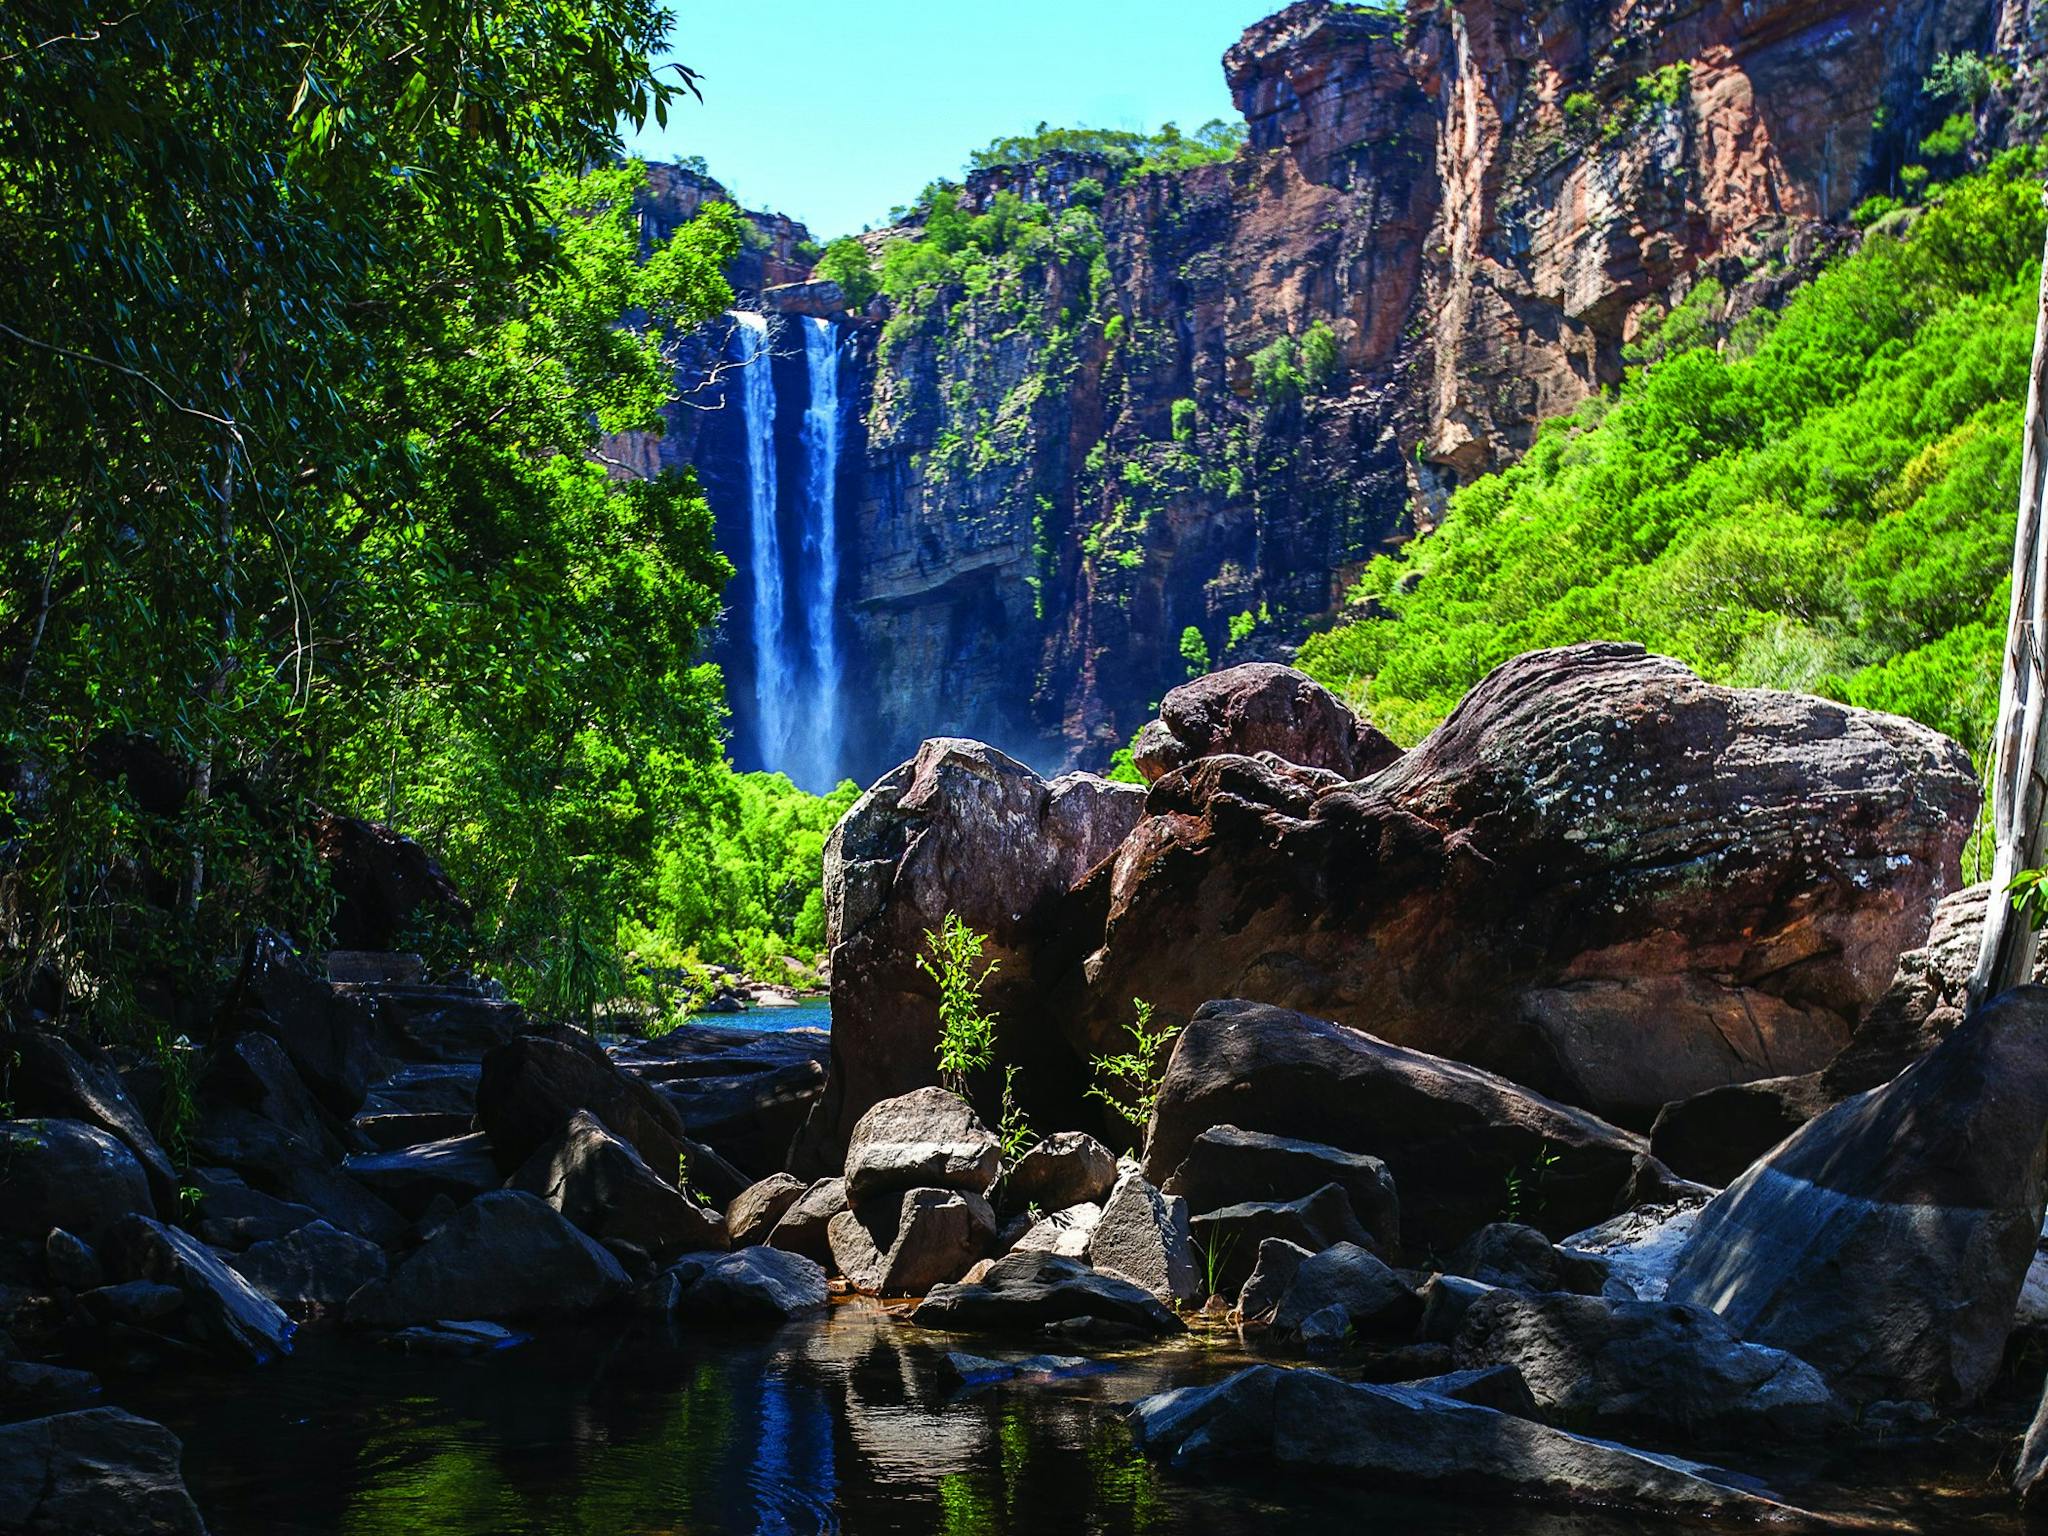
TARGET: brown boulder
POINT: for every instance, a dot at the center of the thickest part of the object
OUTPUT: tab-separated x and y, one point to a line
1600	876
959	829
1453	1136
1260	707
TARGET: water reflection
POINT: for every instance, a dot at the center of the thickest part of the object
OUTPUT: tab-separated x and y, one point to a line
846	1426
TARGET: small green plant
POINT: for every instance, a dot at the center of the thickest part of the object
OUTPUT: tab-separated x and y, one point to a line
1526	1195
179	1109
1013	1128
582	975
1276	370
1320	357
1128	1082
1215	1250
967	1032
1966	78
2029	892
1662	87
1951	138
1194	650
1183	420
849	263
1581	107
1241	627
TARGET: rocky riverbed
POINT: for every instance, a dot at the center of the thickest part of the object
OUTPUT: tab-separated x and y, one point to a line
483	1272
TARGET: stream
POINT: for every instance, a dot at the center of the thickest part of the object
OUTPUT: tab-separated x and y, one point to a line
842	1424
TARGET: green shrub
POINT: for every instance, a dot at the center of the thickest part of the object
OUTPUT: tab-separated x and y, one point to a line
1194	651
1183	420
967	1032
848	262
1128	1081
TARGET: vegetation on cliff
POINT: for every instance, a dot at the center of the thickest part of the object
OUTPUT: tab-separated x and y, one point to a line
1822	502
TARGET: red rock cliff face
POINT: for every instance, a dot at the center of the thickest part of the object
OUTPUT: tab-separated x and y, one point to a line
1051	480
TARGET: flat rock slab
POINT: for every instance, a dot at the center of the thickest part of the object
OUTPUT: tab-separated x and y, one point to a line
460	1168
1406	1439
1229	1166
974	1372
222	1312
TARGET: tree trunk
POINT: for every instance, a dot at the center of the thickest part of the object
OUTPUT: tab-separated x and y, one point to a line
2019	776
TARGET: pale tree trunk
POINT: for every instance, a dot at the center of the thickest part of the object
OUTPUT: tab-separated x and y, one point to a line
2019	777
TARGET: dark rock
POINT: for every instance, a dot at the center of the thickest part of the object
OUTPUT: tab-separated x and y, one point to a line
756	1209
805	1227
1888	1240
506	1254
142	1304
1601	877
1507	1254
232	1215
460	1168
222	1312
71	1262
1273	1270
754	1285
64	1173
1638	1366
905	1243
446	1025
100	1471
1023	1292
1445	1301
710	1176
1143	1237
1228	1166
1451	1134
963	829
253	1072
1401	1438
53	1081
745	1093
1714	1136
1372	1299
28	1389
375	968
600	1183
1499	1387
314	1269
1325	1331
1230	1237
427	1101
2030	1474
1064	1169
925	1139
1260	707
280	1164
387	886
532	1085
335	1041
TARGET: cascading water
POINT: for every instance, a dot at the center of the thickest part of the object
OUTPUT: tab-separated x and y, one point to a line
774	667
819	588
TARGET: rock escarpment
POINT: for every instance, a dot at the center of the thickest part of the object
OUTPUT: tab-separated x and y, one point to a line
1048	478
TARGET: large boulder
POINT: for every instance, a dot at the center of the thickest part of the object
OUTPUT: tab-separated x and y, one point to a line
1371	1297
1024	1292
1600	876
1230	1238
64	1173
221	1311
754	1285
1888	1240
806	1227
1407	1439
752	1214
279	1162
101	1471
903	1244
1452	1135
336	1041
1676	1372
600	1183
386	885
743	1092
410	1179
531	1085
52	1081
1260	707
965	830
505	1255
1228	1166
925	1139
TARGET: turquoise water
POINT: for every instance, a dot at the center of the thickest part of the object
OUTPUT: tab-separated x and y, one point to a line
811	1013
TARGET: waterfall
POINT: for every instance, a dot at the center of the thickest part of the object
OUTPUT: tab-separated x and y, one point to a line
819	590
774	667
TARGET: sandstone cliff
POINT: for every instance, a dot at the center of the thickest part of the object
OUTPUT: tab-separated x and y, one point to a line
1048	480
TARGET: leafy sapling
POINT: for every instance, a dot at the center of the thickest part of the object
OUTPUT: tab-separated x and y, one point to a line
967	1031
1128	1082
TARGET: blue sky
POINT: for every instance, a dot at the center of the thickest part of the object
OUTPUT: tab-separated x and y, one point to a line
835	113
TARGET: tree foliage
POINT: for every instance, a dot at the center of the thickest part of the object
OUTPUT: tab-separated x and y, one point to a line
312	312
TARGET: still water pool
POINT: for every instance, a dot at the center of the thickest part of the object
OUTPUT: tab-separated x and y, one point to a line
845	1424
